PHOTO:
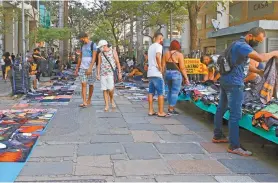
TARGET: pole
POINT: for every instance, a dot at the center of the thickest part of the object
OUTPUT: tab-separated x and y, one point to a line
38	9
23	32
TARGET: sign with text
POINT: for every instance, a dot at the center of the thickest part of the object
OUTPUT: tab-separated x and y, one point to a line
194	66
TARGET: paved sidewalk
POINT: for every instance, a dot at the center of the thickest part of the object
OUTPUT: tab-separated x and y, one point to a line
126	145
5	88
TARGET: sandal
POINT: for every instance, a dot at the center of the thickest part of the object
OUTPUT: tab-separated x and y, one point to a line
153	114
83	105
165	116
114	106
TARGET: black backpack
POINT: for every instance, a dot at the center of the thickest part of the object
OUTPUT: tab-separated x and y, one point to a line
224	61
92	48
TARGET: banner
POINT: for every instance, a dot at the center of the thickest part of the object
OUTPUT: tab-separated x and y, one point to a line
194	66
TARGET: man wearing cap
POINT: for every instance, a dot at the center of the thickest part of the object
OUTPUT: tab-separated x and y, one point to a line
86	67
108	60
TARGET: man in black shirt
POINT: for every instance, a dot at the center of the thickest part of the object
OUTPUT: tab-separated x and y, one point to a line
37	59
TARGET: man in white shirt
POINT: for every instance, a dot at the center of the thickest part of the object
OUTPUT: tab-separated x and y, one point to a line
156	82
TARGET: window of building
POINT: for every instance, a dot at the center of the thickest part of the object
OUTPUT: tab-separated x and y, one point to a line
209	17
235	12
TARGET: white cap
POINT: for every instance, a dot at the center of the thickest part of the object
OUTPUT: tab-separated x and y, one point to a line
102	43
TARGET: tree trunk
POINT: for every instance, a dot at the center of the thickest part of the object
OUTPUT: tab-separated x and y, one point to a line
66	42
61	25
130	46
193	15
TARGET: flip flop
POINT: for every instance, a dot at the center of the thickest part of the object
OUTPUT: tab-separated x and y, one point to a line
83	105
153	114
165	116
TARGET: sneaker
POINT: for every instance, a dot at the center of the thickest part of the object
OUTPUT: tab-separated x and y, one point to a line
222	139
173	112
240	151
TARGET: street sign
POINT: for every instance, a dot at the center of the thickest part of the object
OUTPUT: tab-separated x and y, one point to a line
194	66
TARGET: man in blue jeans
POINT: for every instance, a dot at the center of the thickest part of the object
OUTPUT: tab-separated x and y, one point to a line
156	82
232	85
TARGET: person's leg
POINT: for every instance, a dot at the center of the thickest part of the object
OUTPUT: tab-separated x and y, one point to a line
150	96
176	86
83	79
91	81
218	118
106	99
111	86
235	100
3	71
159	86
168	79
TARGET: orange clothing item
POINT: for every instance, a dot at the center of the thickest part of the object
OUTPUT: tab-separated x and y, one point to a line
30	129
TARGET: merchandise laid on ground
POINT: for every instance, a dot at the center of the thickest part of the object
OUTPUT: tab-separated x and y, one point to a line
19	131
59	93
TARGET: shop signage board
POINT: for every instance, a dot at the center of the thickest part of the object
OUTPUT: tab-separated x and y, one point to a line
194	66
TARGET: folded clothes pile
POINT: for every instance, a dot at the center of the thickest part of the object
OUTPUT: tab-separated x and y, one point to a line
19	130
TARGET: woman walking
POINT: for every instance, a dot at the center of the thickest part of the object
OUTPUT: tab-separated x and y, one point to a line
173	61
8	64
2	63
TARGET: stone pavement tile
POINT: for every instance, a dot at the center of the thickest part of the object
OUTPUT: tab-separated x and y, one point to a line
94	161
214	148
134	179
109	115
121	102
111	138
119	157
127	109
199	127
100	149
264	177
148	127
164	121
181	138
233	179
141	151
119	131
179	148
246	166
116	122
178	129
136	120
53	151
47	168
171	157
197	167
136	114
140	167
198	156
145	136
184	178
163	132
88	170
65	178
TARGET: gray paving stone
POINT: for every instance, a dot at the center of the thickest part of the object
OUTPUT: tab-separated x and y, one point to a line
127	109
53	151
119	157
141	151
233	179
145	136
181	138
65	178
178	148
116	122
111	138
119	131
100	149
136	120
47	168
164	121
178	129
264	177
87	170
171	157
137	114
185	178
148	127
246	166
94	161
143	167
109	115
134	179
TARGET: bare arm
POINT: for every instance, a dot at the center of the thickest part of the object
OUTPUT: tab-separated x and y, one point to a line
117	61
158	61
93	59
99	63
163	64
182	67
262	57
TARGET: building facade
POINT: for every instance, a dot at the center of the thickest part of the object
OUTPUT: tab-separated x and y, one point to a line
236	13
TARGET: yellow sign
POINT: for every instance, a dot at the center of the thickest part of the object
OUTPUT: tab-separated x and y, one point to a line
194	66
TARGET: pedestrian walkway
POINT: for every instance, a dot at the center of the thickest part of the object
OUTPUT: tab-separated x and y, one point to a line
5	88
126	144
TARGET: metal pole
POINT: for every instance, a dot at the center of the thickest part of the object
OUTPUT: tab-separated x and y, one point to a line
23	32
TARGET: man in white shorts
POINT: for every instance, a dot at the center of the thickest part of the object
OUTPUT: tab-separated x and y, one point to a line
106	72
86	68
